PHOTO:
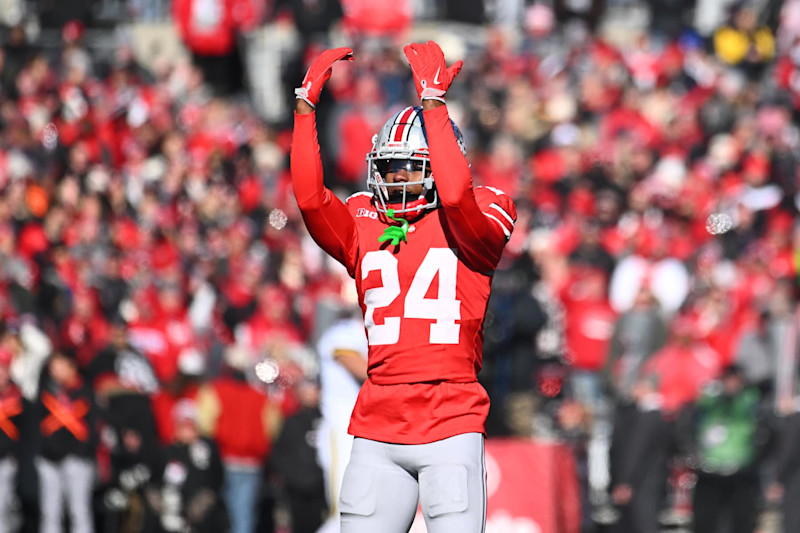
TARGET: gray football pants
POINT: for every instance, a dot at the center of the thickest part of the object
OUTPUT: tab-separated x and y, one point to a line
384	483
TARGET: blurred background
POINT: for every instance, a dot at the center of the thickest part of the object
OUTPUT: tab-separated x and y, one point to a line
163	310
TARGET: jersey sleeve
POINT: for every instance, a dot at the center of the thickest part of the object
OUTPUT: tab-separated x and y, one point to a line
481	231
499	210
327	218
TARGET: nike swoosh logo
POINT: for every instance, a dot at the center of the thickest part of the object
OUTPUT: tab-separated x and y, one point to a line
436	77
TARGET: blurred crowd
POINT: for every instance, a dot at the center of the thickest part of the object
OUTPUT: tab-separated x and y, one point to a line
160	299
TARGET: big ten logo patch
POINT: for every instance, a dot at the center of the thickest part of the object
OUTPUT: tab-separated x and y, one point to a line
364	212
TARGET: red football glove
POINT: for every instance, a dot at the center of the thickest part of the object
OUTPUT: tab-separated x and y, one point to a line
431	75
319	72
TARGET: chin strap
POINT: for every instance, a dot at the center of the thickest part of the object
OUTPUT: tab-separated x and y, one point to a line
395	234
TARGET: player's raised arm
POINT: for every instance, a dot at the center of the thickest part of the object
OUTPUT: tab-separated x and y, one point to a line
481	230
327	218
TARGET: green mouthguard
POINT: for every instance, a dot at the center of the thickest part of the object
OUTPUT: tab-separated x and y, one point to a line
395	234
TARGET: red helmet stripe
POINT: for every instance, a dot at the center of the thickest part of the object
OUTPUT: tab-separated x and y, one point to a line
402	124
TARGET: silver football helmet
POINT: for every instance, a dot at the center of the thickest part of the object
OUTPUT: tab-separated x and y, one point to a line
403	143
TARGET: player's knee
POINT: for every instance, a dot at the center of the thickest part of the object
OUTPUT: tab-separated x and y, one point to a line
444	490
358	496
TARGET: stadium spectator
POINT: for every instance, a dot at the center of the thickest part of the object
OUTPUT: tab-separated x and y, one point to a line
639	476
590	324
650	264
588	13
271	324
745	42
313	21
86	329
31	348
757	354
514	319
668	18
147	332
16	52
729	439
123	382
683	366
364	115
294	461
784	488
378	18
184	386
190	478
210	29
67	444
134	461
13	430
638	334
243	422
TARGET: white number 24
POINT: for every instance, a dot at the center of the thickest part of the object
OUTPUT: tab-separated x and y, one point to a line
444	309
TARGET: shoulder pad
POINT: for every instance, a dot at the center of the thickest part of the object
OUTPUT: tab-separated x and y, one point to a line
498	206
356	195
495	190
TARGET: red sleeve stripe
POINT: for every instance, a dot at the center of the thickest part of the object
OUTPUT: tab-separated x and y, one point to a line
503	212
503	226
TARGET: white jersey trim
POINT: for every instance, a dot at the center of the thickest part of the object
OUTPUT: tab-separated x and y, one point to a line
503	212
357	194
495	190
505	229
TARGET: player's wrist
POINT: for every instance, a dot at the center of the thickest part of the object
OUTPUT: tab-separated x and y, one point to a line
432	103
303	106
300	97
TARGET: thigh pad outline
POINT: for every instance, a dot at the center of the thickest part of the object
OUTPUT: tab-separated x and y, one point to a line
444	489
358	492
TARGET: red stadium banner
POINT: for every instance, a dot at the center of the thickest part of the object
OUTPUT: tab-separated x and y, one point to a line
532	487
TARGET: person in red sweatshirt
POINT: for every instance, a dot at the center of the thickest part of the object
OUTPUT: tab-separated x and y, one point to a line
243	422
85	330
184	386
589	327
209	28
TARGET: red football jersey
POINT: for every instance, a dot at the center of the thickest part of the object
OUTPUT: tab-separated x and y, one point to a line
424	300
423	308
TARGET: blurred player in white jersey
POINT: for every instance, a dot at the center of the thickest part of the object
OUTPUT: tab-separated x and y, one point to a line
342	351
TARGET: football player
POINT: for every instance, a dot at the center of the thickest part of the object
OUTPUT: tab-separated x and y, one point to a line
422	245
